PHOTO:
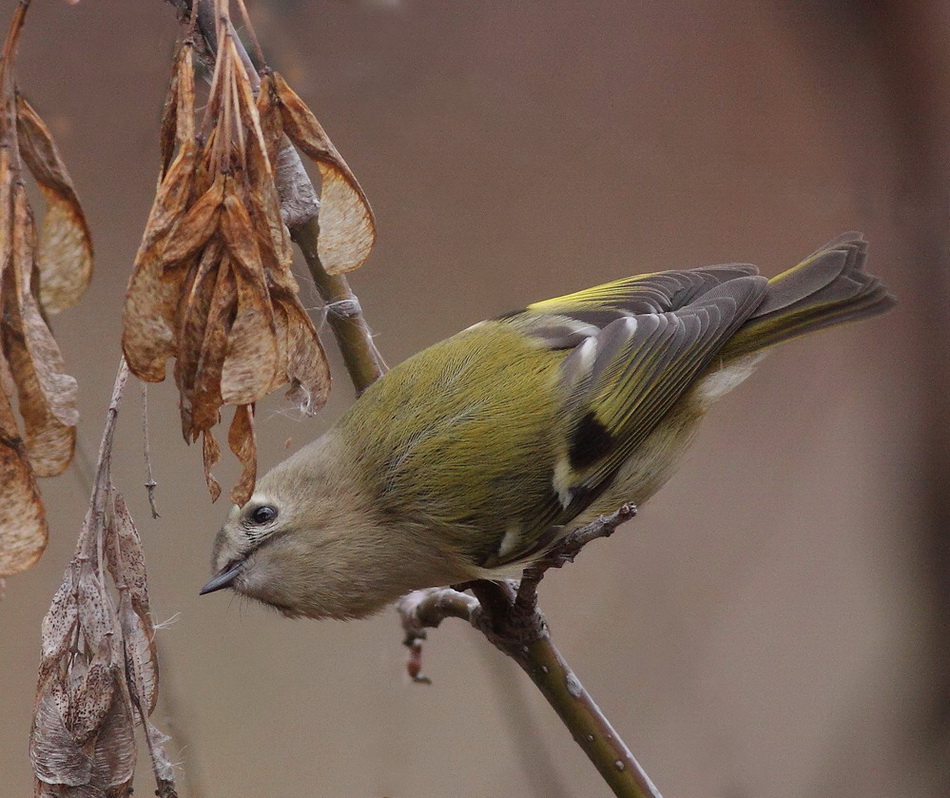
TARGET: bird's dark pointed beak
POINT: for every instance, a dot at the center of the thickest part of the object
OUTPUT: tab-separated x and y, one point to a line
224	577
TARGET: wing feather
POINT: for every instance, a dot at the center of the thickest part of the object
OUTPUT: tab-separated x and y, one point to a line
645	293
640	344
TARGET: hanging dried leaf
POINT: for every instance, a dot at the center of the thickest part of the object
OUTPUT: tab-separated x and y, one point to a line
178	115
215	260
7	386
58	629
161	765
192	321
54	271
263	207
268	111
306	366
210	454
57	760
65	253
7	181
250	130
197	225
49	442
91	695
237	232
148	320
31	358
252	354
58	388
23	530
127	566
30	363
242	443
114	757
207	390
347	225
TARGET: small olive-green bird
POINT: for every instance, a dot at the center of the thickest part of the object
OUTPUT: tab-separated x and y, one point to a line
471	458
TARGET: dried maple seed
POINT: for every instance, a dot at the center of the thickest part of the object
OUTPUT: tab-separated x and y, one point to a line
98	674
212	285
347	225
65	251
39	274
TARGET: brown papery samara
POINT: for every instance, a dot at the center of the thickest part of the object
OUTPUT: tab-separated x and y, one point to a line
212	284
40	273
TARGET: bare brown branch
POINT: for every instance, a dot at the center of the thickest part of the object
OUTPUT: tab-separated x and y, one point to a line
150	483
510	619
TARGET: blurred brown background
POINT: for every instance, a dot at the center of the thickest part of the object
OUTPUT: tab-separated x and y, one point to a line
776	622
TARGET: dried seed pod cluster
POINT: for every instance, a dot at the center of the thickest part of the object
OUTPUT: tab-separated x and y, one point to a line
98	675
212	283
40	273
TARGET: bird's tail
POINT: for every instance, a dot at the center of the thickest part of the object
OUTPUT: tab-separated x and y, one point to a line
827	288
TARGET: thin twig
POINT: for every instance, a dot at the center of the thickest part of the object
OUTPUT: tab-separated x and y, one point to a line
82	467
150	483
354	338
512	622
164	778
108	433
10	44
566	550
251	32
524	731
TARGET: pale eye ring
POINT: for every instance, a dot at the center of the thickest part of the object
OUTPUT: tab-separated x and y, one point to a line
263	514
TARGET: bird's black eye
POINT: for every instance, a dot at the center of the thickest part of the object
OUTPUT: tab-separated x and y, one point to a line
263	514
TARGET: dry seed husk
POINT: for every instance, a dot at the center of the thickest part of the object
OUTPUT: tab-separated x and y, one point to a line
126	563
23	315
196	227
268	111
152	298
207	391
192	323
64	257
49	442
347	225
213	285
242	442
210	455
252	352
23	531
178	114
305	362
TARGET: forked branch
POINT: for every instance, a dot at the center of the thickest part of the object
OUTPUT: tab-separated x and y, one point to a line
509	617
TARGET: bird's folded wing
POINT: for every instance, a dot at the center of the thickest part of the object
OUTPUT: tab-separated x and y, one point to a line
636	345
